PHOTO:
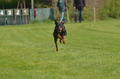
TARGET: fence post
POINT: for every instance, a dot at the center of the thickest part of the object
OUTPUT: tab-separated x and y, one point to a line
94	14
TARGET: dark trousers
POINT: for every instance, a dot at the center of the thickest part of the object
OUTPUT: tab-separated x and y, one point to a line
78	15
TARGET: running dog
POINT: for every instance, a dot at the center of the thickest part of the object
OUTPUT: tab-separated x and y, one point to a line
59	33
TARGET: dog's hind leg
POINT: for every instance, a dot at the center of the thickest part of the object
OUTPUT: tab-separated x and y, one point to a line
56	47
55	40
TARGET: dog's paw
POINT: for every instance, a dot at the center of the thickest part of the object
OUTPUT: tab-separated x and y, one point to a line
64	41
60	41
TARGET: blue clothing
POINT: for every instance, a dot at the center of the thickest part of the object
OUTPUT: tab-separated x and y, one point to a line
62	16
60	2
61	10
62	6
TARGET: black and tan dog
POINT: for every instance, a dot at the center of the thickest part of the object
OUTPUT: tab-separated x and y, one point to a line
59	32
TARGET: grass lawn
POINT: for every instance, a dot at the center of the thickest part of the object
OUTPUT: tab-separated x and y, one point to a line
92	51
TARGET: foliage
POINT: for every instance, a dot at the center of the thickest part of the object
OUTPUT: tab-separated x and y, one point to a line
8	4
115	9
106	9
43	3
110	9
70	10
13	3
88	14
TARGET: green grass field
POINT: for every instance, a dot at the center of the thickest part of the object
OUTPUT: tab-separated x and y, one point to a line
92	51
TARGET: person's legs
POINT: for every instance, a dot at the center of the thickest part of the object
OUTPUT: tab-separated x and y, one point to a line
62	16
80	17
76	15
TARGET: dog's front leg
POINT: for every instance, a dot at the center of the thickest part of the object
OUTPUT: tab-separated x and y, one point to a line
64	40
59	36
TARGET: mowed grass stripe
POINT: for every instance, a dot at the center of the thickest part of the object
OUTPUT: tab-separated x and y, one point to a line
91	52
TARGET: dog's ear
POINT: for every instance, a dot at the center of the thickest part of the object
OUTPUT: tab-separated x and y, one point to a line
56	22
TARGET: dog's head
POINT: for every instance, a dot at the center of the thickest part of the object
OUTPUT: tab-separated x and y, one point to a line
59	25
